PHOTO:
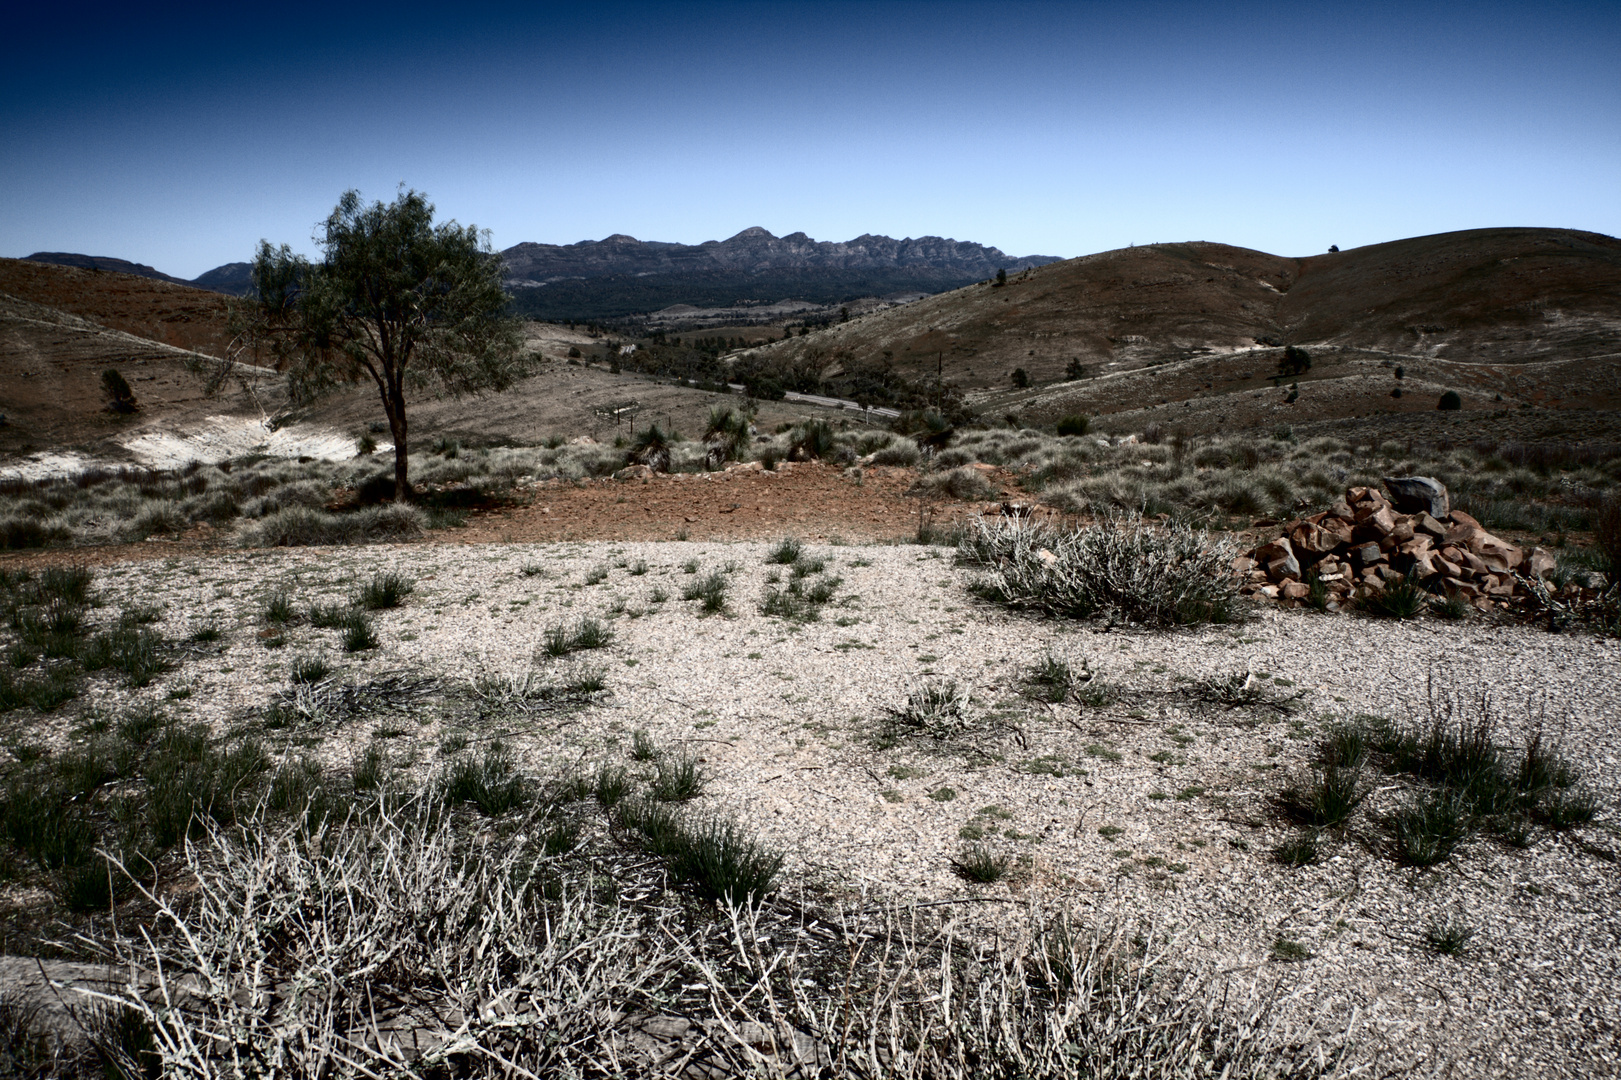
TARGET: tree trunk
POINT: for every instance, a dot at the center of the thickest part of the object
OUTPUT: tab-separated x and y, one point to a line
396	424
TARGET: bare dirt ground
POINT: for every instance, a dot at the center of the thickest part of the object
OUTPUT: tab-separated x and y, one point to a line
809	500
1148	806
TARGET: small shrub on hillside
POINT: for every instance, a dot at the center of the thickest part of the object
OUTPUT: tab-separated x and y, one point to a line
1122	568
1607	537
901	452
1450	402
298	526
1074	425
964	484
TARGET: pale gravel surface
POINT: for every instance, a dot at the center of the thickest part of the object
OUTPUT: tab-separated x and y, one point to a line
784	718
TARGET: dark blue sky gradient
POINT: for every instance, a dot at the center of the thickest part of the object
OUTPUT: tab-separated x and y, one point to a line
180	140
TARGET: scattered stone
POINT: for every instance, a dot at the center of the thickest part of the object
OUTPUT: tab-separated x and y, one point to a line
1364	543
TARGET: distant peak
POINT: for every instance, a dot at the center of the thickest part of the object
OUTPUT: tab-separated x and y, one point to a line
754	233
620	238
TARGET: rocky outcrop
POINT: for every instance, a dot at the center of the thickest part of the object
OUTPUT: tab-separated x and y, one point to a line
1365	542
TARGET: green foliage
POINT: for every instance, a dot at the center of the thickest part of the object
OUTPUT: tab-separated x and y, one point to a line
310	669
491	783
1295	361
279	609
1301	849
711	589
358	634
642	747
1450	402
395	300
562	639
934	708
1021	378
811	440
716	858
384	590
786	552
120	398
678	779
1429	827
1402	599
1074	424
981	866
1449	937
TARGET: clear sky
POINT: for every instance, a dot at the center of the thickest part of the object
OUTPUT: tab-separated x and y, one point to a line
180	138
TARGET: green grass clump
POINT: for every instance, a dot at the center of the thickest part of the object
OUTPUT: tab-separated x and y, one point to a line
45	690
1402	599
1429	827
786	552
678	779
710	589
358	633
1053	679
1449	937
279	609
136	652
588	633
1301	849
1332	795
328	616
642	746
982	866
384	590
715	857
310	669
491	783
610	786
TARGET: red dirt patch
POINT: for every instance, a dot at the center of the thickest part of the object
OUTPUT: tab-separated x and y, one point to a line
810	500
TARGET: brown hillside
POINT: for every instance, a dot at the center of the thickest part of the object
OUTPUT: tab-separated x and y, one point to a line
1176	322
176	315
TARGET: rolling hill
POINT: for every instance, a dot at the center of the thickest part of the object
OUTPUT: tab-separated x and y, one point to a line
1533	315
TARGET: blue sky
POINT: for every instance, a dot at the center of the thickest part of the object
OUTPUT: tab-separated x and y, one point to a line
180	138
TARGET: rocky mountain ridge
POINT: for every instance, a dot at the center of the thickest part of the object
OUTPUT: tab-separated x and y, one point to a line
752	251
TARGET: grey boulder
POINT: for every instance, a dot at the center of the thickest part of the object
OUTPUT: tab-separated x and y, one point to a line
1418	495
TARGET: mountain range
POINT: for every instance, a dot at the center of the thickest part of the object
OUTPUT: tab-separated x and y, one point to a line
620	275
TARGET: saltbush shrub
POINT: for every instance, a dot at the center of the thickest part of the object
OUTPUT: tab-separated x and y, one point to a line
1122	568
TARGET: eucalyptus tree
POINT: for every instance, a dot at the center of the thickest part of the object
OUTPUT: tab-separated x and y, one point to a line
413	306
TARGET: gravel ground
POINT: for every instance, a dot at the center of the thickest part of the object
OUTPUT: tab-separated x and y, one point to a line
788	719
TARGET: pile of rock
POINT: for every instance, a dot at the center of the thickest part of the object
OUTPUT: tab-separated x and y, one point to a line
1365	542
